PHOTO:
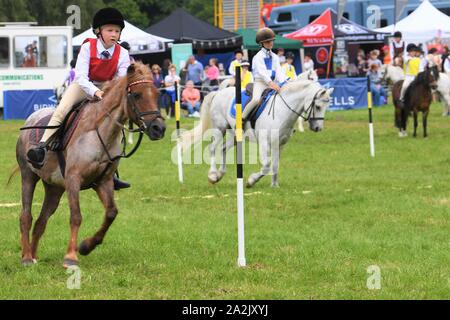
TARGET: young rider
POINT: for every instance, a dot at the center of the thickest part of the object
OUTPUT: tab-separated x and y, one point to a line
266	69
411	67
99	60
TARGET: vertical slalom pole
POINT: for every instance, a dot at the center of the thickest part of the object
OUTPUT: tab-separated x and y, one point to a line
240	170
177	118
369	106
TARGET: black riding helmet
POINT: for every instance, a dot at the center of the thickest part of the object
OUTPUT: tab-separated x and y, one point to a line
411	47
290	55
108	16
397	34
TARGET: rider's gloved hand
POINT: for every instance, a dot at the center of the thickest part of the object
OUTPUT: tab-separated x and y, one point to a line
99	94
274	86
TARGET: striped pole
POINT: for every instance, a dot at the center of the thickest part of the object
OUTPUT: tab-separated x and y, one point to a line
177	118
240	171
369	106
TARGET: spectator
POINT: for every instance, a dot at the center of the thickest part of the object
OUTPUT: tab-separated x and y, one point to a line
280	53
362	65
221	70
308	63
433	58
212	73
397	46
158	79
236	62
165	67
169	82
288	67
191	100
386	54
379	96
247	76
71	75
194	71
373	59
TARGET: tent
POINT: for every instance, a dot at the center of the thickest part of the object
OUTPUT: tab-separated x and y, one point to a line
324	30
140	41
423	24
249	43
183	27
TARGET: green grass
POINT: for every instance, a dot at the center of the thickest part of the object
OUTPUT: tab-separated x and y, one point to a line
337	212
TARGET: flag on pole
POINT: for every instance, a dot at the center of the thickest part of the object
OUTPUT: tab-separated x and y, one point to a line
400	5
340	10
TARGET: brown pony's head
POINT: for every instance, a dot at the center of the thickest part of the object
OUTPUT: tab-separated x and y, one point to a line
142	101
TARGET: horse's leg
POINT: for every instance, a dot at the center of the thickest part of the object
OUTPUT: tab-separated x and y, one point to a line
213	175
29	180
275	163
226	145
105	192
264	150
415	124
424	120
73	192
51	201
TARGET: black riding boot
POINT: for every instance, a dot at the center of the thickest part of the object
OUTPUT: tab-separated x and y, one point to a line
36	155
119	184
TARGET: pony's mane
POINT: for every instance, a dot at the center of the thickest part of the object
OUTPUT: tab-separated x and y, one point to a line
297	84
422	79
116	90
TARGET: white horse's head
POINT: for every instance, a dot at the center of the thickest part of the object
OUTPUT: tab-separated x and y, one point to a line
318	105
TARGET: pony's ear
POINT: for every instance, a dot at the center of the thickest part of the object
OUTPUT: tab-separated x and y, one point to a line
330	91
131	69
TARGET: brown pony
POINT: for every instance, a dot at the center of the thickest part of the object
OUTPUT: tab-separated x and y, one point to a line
89	159
417	99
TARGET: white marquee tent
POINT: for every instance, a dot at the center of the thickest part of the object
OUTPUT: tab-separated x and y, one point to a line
140	41
423	24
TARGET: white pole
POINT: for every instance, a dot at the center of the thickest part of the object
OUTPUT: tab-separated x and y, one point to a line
177	117
369	106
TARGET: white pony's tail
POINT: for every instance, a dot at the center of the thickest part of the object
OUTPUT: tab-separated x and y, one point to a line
193	136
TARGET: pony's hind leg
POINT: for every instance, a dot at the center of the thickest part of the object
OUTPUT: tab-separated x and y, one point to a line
51	201
213	174
275	163
29	180
424	121
226	145
106	194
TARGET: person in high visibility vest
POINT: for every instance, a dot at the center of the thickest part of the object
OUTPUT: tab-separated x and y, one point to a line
288	68
246	76
411	67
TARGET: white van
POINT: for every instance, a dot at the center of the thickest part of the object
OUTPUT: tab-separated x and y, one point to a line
33	57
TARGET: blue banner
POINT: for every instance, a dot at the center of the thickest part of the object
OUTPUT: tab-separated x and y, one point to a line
349	93
20	104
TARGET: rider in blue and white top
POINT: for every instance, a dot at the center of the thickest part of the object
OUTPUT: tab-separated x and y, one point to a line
266	69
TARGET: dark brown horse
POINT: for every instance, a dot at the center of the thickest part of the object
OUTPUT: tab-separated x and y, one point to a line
418	98
88	157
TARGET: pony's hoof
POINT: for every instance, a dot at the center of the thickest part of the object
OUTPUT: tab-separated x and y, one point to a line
84	249
213	178
275	185
28	262
250	183
69	263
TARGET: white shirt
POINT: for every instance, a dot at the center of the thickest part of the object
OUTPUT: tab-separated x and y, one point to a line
171	79
308	65
395	44
83	61
260	71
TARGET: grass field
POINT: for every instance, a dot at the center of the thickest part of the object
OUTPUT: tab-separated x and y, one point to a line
336	213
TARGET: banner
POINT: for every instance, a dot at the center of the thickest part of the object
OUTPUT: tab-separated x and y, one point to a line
20	104
180	54
349	93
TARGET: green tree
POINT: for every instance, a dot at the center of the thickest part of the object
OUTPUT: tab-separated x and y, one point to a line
15	11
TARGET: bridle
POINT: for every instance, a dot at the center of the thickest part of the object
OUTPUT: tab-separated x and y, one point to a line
310	111
140	115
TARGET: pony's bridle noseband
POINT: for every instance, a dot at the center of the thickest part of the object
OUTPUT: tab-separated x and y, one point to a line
140	115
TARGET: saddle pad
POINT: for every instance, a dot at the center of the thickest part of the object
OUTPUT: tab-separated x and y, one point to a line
72	123
246	100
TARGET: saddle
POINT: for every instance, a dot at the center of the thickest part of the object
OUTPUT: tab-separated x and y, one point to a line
62	136
256	112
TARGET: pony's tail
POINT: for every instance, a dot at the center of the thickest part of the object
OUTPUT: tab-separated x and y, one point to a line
14	172
191	137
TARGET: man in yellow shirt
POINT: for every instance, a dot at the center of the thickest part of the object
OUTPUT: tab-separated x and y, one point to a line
411	67
288	67
236	62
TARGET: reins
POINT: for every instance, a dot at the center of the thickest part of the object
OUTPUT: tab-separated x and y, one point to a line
310	111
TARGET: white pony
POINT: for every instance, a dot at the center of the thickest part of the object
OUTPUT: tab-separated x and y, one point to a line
297	98
307	75
393	73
